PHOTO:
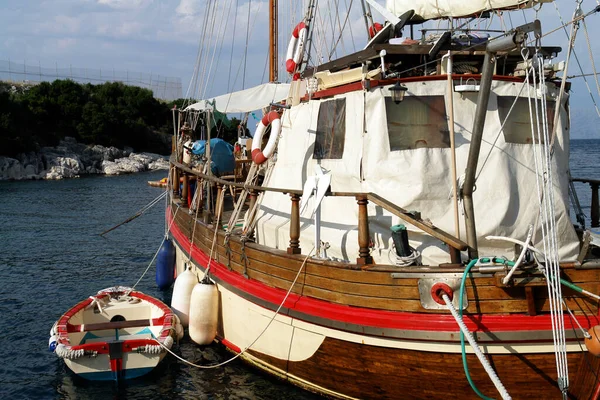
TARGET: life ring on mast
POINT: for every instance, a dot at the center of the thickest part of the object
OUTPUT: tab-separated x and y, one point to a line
260	156
295	49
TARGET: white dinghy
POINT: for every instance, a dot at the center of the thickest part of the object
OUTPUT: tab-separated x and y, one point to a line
116	334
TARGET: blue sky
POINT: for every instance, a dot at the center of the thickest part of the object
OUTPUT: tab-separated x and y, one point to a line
162	37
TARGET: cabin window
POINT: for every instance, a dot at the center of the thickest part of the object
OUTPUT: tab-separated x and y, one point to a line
331	128
417	122
517	128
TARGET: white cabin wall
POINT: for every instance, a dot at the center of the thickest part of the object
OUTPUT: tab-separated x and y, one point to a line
295	163
419	179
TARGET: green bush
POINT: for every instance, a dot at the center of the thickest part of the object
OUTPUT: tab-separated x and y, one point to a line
111	114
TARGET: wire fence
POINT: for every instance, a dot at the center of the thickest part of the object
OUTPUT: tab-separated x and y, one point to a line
163	87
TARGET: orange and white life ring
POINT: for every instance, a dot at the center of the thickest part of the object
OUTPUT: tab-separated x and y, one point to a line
260	156
295	49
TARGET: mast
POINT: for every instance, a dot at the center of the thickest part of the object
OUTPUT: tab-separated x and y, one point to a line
273	73
513	39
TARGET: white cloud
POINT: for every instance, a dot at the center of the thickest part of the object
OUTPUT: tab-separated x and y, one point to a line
188	8
65	44
125	4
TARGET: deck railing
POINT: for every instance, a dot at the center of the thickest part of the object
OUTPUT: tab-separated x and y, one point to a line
595	210
455	245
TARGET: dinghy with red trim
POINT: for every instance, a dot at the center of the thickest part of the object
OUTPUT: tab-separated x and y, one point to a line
116	334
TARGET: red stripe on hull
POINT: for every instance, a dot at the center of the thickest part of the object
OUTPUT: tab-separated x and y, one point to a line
370	317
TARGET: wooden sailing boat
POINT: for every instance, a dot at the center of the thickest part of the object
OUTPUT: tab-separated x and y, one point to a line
318	289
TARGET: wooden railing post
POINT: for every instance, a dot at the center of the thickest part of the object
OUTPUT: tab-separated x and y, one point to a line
185	189
175	181
295	226
364	253
595	211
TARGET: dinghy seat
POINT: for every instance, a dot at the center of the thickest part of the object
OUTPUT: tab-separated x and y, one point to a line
135	323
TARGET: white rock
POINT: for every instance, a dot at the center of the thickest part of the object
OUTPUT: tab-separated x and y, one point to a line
63	167
71	159
161	163
10	168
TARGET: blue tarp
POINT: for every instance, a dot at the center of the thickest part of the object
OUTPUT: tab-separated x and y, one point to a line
221	154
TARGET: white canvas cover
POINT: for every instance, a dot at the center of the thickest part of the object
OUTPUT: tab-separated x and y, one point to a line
431	9
245	100
505	199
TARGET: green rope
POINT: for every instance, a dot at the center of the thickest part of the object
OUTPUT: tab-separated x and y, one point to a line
460	311
462	335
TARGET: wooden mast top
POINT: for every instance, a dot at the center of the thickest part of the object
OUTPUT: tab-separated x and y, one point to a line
273	41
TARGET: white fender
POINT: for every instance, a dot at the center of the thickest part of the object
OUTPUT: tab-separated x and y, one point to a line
260	156
295	49
187	154
182	294
204	313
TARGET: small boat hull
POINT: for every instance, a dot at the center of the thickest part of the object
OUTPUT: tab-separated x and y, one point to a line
95	369
116	334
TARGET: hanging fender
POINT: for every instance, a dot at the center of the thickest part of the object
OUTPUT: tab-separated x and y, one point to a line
295	49
260	156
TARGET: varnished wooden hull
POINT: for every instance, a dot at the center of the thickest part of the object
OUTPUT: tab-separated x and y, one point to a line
354	333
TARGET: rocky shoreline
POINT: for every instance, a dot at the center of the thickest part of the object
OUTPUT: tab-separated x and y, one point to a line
71	160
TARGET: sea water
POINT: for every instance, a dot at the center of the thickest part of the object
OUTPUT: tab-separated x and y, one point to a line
52	256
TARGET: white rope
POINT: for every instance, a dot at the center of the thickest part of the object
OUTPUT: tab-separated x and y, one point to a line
216	223
527	246
66	352
250	180
520	259
544	181
589	46
403	261
197	206
493	146
258	337
484	361
251	222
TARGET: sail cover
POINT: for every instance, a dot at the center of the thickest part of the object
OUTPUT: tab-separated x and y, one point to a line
246	100
432	9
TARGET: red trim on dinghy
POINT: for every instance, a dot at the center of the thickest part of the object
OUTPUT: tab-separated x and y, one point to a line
63	327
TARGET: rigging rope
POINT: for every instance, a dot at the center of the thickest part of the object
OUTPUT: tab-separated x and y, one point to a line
229	87
246	48
155	254
216	223
258	337
544	185
341	32
137	214
587	36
